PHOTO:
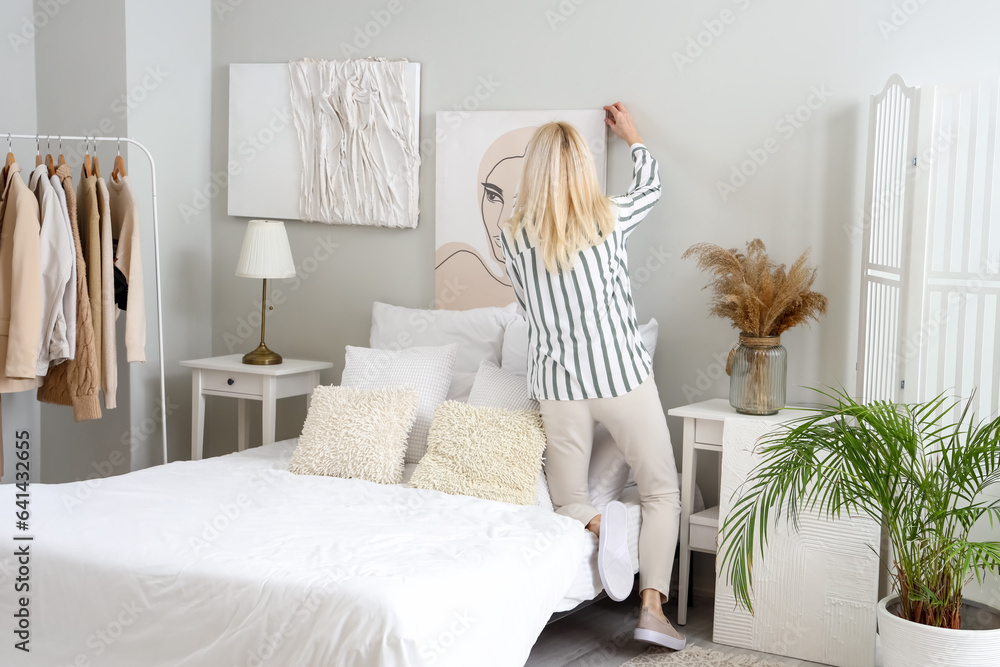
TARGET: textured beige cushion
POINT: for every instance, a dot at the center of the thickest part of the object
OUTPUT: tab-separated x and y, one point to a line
356	433
488	453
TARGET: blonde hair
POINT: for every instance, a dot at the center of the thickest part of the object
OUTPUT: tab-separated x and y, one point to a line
559	203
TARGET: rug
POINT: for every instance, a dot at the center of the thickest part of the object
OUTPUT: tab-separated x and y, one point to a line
695	656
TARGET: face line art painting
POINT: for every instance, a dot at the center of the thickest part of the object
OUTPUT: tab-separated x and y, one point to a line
479	162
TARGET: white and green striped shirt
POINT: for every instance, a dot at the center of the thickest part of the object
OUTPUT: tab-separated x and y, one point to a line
583	335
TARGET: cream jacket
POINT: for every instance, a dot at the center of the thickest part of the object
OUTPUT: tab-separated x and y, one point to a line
56	256
77	381
109	344
20	286
128	260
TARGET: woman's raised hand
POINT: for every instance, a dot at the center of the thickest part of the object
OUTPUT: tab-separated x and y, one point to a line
621	123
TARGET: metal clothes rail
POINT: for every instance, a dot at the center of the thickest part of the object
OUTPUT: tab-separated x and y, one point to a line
38	138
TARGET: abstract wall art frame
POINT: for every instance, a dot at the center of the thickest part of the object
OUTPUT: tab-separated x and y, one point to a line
478	166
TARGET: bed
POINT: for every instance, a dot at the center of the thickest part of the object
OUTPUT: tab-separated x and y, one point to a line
235	561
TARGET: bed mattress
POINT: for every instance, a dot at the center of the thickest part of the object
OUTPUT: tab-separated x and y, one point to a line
235	561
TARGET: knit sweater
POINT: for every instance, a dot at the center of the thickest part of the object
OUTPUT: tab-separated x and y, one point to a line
75	382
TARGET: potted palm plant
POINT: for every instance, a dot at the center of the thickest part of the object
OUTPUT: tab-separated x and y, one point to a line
924	472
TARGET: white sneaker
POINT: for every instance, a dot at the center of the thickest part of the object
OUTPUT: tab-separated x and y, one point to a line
613	561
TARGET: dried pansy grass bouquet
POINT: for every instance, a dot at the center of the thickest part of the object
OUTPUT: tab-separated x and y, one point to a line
758	295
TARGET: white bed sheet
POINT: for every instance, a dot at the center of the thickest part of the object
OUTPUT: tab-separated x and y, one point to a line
233	561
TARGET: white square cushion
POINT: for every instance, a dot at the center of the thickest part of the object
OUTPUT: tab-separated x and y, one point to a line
425	369
609	472
356	434
496	388
478	333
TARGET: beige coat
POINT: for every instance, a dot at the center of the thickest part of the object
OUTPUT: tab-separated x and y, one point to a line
109	344
20	286
75	382
128	260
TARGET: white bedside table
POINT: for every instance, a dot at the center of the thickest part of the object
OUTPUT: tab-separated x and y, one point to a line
229	376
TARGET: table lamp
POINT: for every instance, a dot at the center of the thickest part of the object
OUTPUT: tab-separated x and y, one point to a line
265	254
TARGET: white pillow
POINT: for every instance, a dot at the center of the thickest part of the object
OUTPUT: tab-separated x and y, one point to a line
356	434
609	472
496	388
426	369
478	333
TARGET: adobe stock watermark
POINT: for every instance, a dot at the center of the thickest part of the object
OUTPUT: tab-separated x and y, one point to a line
785	128
901	14
248	325
249	149
562	12
706	378
105	636
887	196
434	649
370	31
486	85
44	12
655	260
712	30
116	461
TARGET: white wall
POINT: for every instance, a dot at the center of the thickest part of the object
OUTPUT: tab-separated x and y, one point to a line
170	77
17	111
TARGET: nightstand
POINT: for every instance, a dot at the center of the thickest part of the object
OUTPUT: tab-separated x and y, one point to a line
229	376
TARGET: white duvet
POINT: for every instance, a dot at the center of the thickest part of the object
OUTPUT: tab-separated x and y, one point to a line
235	562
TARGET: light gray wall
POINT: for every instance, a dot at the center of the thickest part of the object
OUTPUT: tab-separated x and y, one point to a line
19	27
754	65
169	46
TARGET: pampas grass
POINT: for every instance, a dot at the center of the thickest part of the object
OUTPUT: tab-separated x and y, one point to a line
758	295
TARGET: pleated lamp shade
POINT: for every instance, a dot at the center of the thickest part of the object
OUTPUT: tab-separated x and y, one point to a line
265	252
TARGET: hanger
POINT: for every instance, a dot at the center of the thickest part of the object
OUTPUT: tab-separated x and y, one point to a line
119	170
86	159
48	158
10	160
38	151
95	164
62	160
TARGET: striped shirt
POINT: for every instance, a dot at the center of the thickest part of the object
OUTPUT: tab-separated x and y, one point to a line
583	335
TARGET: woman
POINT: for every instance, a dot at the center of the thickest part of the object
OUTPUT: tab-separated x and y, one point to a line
564	248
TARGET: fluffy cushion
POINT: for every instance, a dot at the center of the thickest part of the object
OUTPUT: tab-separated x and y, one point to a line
425	369
478	333
488	453
609	473
496	388
356	434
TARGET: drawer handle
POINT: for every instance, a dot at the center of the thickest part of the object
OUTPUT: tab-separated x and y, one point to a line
230	382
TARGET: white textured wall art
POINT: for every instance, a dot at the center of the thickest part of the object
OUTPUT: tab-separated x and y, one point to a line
265	169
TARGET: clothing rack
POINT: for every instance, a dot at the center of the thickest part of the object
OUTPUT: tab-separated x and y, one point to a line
156	249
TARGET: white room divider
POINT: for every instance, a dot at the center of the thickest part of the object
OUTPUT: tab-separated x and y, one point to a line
930	297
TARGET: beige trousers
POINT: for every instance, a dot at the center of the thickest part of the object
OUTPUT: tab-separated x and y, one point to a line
637	423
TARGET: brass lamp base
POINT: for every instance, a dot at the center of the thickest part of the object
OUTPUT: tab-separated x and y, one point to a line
262	357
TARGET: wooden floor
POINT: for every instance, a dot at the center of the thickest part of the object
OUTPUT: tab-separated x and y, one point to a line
601	636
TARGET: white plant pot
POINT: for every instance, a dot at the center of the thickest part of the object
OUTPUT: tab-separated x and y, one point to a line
908	644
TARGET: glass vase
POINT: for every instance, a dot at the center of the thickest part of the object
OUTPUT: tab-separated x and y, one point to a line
758	375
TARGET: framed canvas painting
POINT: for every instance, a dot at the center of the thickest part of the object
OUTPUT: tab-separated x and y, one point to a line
478	167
